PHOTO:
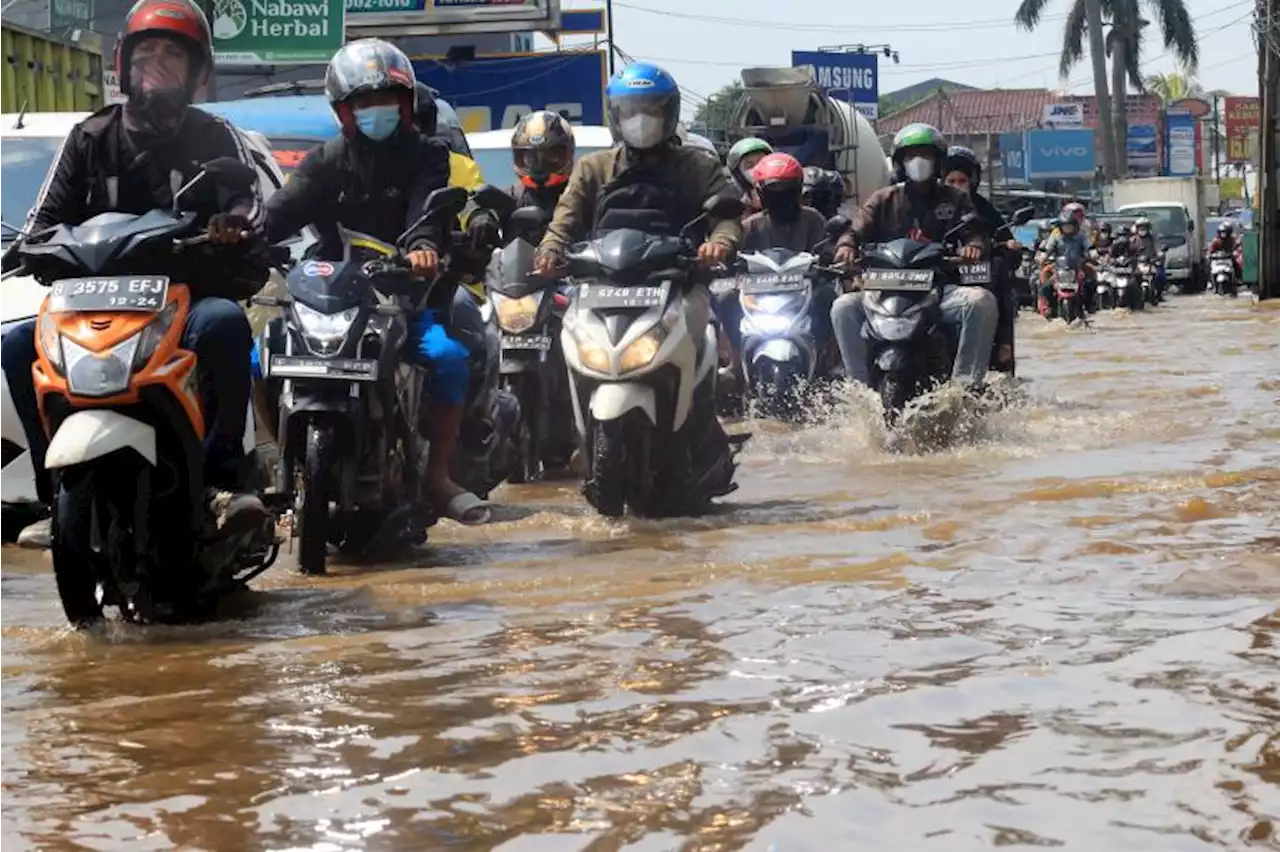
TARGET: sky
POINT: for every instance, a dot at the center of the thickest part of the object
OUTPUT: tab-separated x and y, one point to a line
705	44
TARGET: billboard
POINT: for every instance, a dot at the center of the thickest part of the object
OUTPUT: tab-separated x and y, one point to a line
851	77
449	17
1064	115
491	93
1179	143
1013	156
1242	117
276	32
1060	154
1142	147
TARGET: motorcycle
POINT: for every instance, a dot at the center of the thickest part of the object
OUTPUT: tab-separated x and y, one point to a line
911	351
529	312
1067	284
1104	291
120	398
779	353
642	384
1222	269
1147	281
1128	292
351	458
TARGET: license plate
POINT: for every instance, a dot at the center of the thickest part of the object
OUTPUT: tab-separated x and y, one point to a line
139	293
536	342
975	274
771	282
905	280
346	369
604	297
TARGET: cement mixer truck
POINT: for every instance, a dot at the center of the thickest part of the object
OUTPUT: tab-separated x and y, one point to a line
787	109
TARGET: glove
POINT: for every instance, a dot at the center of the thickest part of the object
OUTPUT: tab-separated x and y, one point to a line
482	230
424	333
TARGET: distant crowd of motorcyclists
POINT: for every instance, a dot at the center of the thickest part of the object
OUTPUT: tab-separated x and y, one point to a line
376	177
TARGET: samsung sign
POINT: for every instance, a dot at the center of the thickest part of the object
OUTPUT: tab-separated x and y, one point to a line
1060	154
850	77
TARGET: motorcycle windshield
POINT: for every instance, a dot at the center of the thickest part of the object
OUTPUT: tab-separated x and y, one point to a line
903	253
331	286
626	256
103	244
511	270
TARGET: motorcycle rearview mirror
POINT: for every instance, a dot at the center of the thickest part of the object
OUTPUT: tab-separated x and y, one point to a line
442	204
279	255
1023	215
963	225
527	220
491	198
225	171
836	226
724	207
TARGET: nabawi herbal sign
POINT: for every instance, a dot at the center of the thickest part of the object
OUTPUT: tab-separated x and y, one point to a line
250	32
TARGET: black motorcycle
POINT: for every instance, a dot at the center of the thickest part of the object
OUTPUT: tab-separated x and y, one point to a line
529	312
911	350
350	450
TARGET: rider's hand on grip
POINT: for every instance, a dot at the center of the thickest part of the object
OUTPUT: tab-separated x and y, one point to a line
549	263
713	254
423	262
228	229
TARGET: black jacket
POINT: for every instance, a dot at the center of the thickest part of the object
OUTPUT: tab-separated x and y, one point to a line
376	188
1006	264
102	167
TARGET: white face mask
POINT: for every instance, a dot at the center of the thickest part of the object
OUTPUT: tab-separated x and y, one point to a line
641	130
919	169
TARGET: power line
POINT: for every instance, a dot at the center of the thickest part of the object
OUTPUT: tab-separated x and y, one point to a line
935	26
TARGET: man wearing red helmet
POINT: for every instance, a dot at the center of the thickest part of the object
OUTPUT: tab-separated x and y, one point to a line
132	158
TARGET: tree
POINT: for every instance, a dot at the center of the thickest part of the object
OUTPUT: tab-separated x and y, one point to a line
1174	87
1124	45
715	111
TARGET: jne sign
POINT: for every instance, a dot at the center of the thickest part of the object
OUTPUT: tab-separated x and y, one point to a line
1064	115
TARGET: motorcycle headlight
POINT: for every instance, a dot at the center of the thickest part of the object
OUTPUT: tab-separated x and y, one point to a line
516	316
51	341
153	334
324	333
96	375
896	328
773	303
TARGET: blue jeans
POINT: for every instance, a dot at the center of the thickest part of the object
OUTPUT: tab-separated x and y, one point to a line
218	332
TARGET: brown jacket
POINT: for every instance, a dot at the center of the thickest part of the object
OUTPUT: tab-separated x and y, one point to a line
760	232
689	169
893	213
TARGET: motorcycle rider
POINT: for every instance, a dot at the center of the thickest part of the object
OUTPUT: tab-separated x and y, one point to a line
742	158
919	207
823	191
1069	242
962	171
131	158
1226	241
1105	239
1147	248
375	178
542	147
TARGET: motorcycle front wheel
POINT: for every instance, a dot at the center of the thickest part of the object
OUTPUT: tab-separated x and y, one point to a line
313	515
895	393
620	471
73	562
775	387
528	467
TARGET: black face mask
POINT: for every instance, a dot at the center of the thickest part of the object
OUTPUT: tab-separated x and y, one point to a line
783	206
160	111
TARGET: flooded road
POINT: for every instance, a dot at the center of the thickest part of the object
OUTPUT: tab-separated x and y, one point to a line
1062	633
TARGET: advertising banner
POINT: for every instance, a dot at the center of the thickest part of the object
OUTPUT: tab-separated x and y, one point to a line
1179	143
1241	117
1064	115
493	93
851	77
1013	156
1060	154
276	32
1142	149
446	17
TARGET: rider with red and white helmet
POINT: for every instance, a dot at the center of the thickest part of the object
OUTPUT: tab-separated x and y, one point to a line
783	221
130	158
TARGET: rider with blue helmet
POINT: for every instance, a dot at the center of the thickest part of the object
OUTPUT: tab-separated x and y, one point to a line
648	181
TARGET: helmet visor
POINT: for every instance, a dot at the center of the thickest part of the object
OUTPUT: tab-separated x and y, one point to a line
643	121
541	163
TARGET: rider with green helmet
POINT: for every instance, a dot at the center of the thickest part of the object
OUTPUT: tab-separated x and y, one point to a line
919	207
742	158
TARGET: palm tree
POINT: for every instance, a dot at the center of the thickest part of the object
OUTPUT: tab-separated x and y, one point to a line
1173	87
1124	43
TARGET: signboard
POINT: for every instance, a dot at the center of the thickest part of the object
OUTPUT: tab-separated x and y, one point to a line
1141	146
67	15
450	17
111	93
493	93
276	32
1242	117
850	77
1060	154
1064	115
1197	107
1179	143
1013	156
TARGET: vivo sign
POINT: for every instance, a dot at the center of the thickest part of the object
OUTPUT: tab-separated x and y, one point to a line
1060	154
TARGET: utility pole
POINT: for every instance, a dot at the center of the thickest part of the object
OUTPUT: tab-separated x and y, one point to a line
608	29
1268	88
1217	154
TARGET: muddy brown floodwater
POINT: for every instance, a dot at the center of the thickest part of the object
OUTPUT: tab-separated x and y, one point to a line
1062	633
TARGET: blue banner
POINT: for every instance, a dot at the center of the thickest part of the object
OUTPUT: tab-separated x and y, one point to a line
491	93
1013	156
1179	143
1141	147
850	77
1060	154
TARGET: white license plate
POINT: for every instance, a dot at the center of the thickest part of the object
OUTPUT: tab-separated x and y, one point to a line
134	293
344	369
534	342
910	280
